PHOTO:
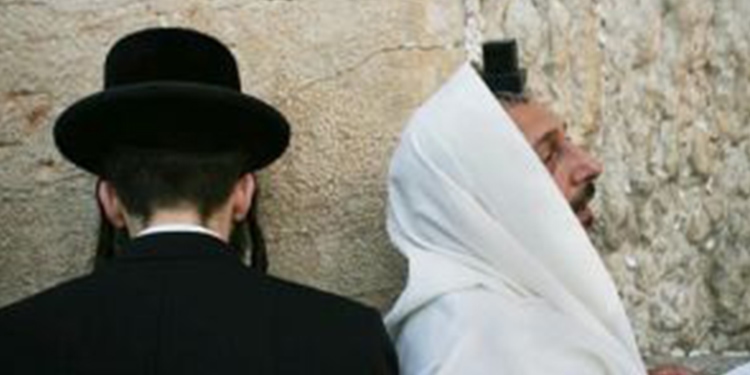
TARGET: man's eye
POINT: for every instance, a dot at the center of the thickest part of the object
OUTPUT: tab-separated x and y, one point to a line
549	157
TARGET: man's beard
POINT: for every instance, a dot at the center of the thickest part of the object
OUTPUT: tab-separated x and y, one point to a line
579	204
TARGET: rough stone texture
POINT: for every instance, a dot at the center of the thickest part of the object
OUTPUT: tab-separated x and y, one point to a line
659	90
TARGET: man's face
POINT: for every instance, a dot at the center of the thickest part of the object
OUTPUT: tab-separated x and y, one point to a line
573	169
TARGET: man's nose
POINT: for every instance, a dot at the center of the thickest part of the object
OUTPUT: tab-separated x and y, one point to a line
587	167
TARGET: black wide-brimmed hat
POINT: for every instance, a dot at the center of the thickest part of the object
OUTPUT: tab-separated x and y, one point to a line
170	89
501	71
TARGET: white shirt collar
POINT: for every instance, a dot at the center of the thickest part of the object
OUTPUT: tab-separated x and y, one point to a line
177	227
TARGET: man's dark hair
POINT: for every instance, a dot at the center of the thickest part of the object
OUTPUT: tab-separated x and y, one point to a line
511	99
150	180
146	181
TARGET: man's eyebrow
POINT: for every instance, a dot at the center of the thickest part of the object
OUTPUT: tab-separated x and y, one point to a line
547	137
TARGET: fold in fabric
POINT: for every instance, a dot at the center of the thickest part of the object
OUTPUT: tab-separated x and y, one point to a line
502	277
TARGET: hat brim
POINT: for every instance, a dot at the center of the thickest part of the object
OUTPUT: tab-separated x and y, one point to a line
174	116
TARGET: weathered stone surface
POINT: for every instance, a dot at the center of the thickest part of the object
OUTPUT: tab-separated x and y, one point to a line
659	90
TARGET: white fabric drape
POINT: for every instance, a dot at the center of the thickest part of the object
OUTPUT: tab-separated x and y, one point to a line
502	277
741	370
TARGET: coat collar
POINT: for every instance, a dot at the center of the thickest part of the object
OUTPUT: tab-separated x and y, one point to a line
176	245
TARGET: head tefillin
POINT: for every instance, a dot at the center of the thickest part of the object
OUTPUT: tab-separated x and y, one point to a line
501	71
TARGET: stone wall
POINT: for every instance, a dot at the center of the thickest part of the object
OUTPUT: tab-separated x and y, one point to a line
658	89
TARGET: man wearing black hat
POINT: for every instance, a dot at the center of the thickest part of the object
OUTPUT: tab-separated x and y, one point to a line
175	143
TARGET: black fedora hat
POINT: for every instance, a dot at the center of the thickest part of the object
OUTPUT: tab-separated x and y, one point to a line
501	71
170	89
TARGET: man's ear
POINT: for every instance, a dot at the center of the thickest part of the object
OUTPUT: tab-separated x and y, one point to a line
242	196
110	203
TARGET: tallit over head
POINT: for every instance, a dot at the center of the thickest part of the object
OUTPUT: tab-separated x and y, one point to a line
471	206
741	370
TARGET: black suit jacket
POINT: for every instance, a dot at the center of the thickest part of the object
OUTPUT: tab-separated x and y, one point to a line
180	303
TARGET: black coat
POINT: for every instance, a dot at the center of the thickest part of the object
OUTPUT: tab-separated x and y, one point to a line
180	303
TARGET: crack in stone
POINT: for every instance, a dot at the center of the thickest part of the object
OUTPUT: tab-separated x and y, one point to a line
19	93
362	62
23	3
4	144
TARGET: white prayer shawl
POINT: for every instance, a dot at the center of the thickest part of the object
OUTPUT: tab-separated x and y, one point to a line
741	370
502	277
